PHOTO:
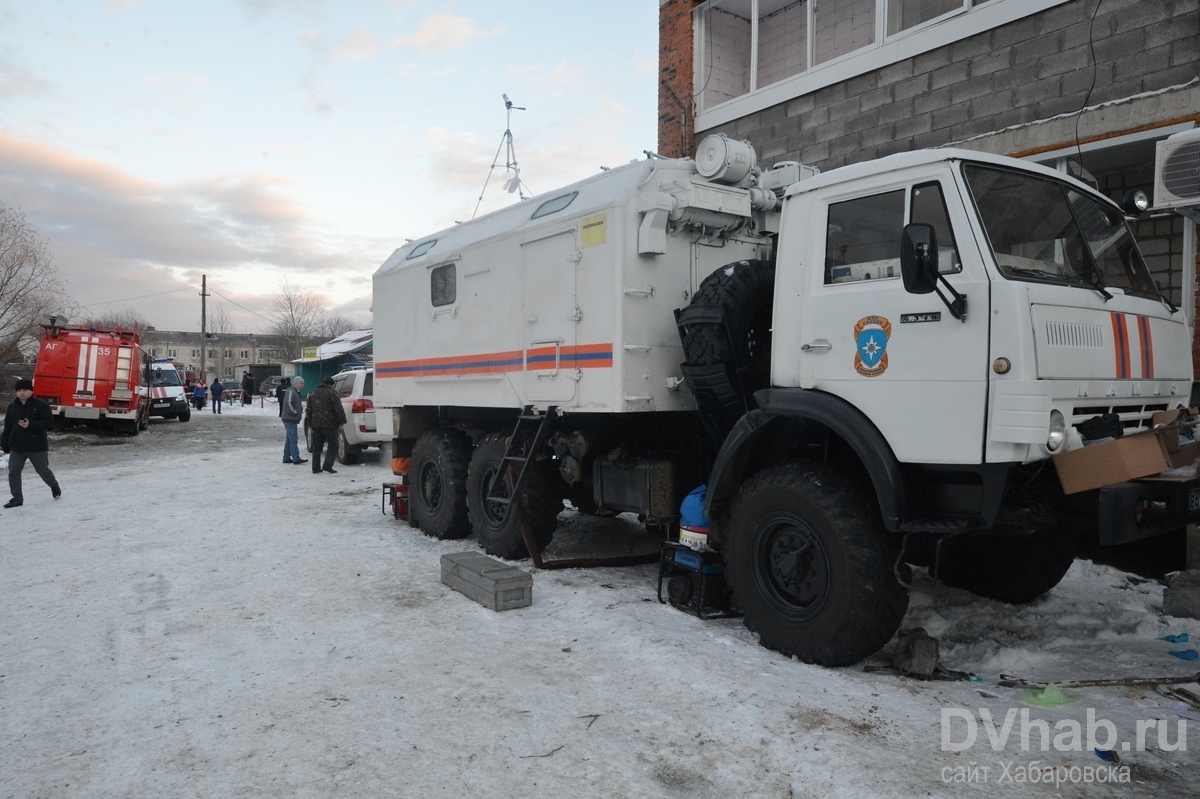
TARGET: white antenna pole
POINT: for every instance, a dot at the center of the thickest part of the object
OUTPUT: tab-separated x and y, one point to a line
510	165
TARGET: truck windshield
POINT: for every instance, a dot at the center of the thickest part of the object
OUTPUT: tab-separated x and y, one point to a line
1043	230
166	377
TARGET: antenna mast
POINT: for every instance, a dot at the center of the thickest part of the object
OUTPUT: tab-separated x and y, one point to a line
514	183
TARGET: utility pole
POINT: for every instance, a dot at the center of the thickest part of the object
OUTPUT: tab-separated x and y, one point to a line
203	326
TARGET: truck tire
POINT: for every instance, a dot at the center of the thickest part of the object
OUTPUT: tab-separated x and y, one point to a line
727	361
185	416
346	453
497	528
744	291
438	493
1010	568
810	565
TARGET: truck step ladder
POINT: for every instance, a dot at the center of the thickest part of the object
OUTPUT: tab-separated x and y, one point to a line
521	450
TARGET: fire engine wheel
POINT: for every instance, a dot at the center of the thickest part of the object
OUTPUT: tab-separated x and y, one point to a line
1010	568
810	565
497	527
347	454
438	492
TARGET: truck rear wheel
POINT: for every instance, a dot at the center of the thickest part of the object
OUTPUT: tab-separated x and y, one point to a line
1010	568
497	525
438	494
810	564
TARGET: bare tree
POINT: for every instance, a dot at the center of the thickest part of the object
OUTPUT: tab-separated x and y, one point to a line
334	325
126	319
220	322
31	285
297	317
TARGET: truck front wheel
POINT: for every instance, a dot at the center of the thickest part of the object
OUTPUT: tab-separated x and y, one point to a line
497	525
810	564
1010	568
438	494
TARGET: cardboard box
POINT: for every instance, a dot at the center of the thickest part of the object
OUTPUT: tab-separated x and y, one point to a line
1126	458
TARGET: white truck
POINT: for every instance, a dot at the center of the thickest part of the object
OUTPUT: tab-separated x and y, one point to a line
870	368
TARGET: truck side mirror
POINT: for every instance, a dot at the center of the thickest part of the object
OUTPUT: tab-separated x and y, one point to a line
919	259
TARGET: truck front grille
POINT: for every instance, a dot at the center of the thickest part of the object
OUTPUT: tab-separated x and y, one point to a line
1132	416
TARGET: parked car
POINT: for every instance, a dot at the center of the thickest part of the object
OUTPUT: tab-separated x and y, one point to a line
270	385
356	388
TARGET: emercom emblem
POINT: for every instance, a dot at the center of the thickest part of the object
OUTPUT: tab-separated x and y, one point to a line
871	334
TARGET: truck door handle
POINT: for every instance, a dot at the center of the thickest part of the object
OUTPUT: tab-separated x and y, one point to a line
819	344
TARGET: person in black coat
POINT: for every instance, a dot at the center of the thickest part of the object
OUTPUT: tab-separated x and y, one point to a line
25	439
247	388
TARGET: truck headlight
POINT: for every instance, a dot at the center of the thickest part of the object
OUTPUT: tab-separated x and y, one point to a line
1058	432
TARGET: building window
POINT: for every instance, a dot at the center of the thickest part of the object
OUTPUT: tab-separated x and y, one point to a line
154	352
743	46
172	353
212	353
195	353
244	354
228	353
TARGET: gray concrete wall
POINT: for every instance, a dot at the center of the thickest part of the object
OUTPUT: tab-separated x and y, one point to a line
1024	76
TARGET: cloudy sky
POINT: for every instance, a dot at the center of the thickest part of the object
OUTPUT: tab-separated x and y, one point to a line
252	141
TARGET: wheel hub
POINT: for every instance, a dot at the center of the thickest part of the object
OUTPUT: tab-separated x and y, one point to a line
431	486
797	570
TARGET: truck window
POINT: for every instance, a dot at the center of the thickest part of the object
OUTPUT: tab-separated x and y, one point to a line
862	238
1042	230
165	377
442	286
929	208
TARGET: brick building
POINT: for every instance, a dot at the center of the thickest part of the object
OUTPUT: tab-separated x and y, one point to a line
227	353
834	82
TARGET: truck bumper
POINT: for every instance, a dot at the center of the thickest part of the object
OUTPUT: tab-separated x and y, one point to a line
1146	508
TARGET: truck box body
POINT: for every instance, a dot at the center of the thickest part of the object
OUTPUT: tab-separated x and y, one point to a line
93	376
562	307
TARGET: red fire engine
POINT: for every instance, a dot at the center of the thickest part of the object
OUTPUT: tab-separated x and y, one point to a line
93	376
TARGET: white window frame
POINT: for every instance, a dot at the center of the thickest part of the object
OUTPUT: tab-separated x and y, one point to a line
930	35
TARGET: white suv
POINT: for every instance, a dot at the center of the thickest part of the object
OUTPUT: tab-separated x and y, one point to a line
356	387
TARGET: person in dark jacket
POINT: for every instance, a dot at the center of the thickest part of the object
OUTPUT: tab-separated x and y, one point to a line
217	391
325	417
247	388
280	390
291	409
24	439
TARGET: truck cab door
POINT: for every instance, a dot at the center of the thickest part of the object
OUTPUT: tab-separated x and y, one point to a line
551	316
918	372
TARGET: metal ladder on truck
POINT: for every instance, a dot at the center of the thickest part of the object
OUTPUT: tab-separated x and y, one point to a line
520	451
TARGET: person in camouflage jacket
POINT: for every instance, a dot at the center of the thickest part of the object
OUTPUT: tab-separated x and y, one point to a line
325	417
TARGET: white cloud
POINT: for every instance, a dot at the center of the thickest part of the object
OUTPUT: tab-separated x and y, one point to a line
445	32
358	45
318	93
118	236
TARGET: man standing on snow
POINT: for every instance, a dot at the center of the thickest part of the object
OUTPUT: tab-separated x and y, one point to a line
218	391
24	439
247	388
291	408
325	417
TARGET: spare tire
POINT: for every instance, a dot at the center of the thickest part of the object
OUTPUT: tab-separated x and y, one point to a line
726	335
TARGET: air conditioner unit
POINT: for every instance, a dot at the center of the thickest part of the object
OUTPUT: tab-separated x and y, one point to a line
1177	170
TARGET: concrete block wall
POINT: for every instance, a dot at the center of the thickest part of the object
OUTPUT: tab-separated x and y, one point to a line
1032	69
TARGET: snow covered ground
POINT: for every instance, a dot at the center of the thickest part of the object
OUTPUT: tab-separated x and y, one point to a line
194	618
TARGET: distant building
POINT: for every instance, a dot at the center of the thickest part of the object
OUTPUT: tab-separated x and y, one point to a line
228	353
323	360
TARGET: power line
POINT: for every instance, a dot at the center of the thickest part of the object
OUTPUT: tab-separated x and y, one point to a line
142	297
243	307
